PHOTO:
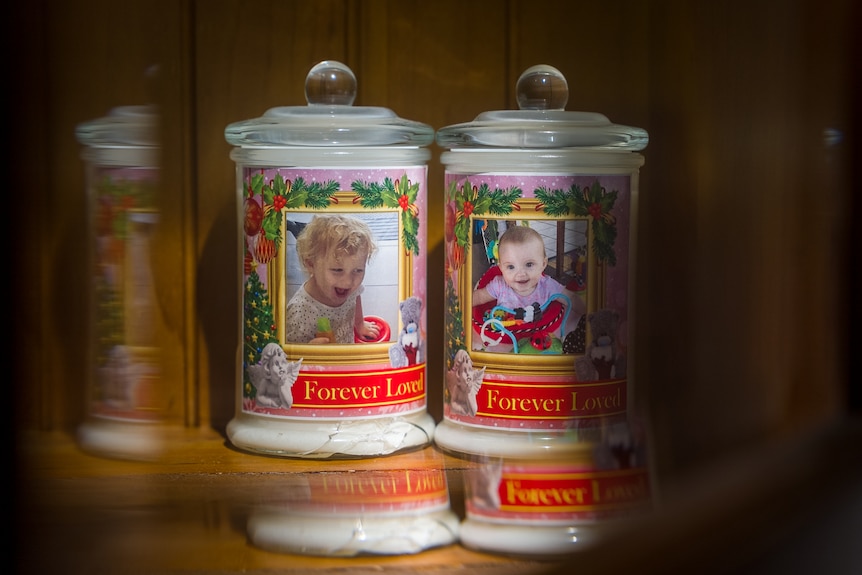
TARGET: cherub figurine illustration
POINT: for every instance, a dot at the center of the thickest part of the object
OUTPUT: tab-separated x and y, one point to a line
484	483
118	378
273	376
463	383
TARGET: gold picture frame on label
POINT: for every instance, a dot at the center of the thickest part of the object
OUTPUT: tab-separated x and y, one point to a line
138	293
518	363
345	203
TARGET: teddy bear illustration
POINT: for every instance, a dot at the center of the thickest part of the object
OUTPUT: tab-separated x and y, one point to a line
273	376
602	358
463	382
410	347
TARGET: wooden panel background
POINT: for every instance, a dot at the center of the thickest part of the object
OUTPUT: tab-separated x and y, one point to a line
745	212
72	62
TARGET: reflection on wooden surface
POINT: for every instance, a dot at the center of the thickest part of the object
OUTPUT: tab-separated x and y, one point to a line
788	504
189	511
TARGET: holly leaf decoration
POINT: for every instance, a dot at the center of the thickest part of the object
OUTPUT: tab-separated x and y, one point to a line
479	200
406	193
503	201
604	235
557	202
597	203
271	224
370	194
410	191
255	186
410	225
388	194
317	196
400	194
279	193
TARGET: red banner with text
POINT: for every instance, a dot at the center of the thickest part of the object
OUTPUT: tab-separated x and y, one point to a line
516	400
340	390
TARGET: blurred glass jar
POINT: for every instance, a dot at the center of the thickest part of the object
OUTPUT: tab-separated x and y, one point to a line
123	404
552	506
396	511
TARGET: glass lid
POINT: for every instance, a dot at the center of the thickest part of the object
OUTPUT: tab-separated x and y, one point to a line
329	119
542	122
123	126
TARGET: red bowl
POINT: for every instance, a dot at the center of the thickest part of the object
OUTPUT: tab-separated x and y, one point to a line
383	334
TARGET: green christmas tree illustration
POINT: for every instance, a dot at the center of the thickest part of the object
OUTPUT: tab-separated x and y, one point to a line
259	329
454	323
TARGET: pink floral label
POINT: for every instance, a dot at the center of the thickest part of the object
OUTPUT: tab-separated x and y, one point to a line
334	310
126	378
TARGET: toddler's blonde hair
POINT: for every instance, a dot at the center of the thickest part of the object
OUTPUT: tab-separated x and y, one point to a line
340	235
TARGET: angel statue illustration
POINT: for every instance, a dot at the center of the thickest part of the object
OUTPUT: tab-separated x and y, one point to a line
463	382
273	376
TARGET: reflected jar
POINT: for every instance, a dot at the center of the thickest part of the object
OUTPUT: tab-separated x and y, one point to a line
547	507
332	325
399	511
124	400
540	209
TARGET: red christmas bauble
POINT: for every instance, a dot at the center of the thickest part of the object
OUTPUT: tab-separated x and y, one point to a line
246	263
264	251
253	217
450	217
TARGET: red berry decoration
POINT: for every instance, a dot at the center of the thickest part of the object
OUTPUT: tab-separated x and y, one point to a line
468	209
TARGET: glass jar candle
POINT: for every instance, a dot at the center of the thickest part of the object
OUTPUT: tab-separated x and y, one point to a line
398	511
332	325
123	405
539	226
551	506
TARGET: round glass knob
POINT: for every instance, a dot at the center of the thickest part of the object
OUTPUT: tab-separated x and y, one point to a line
330	83
542	87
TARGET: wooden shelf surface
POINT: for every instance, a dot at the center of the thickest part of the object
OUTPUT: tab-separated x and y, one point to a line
187	512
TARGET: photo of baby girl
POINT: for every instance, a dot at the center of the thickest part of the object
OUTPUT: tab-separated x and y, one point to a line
521	287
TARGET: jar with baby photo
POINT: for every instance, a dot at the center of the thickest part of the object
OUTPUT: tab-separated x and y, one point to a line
540	207
332	206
